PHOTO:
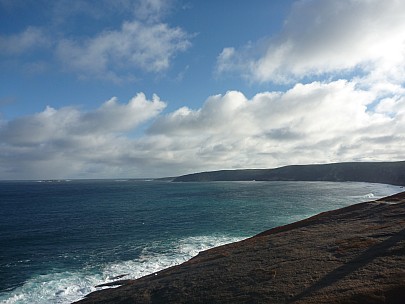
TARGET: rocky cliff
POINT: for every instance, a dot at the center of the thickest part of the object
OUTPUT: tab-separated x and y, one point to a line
350	255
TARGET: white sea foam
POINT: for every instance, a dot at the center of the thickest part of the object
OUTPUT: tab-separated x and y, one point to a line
60	287
67	286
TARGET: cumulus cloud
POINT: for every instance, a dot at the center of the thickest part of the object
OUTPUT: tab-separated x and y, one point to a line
324	37
316	122
310	123
361	118
67	141
53	124
135	45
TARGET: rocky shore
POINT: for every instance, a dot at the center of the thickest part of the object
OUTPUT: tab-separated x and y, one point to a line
350	255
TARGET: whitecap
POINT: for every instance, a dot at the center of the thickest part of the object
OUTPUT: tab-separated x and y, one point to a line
69	286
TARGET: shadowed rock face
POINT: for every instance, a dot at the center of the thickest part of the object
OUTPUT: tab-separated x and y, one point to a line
350	255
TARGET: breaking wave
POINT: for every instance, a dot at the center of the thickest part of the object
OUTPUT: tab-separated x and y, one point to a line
69	286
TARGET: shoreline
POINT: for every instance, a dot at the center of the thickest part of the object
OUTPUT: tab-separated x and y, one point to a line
354	254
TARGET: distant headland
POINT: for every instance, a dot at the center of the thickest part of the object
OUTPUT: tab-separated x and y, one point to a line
373	172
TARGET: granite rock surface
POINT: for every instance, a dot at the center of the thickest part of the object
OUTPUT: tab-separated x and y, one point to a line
350	255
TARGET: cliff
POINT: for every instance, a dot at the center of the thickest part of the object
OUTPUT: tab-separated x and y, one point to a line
372	172
350	255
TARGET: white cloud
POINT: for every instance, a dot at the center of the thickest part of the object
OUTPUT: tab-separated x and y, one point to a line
322	37
358	119
115	117
133	39
310	123
317	122
152	10
30	39
226	60
305	107
69	142
52	124
65	13
148	47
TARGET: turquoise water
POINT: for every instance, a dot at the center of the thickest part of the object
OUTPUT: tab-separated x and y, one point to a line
59	239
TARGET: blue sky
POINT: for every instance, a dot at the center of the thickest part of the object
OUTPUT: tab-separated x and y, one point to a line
148	88
207	27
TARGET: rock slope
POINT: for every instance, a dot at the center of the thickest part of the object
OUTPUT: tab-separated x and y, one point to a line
350	255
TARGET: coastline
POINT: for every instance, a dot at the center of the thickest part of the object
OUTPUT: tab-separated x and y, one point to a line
372	172
350	255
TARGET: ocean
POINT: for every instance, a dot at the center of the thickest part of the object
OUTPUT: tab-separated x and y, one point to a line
59	239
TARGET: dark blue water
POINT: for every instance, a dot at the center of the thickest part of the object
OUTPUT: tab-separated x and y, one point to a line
60	239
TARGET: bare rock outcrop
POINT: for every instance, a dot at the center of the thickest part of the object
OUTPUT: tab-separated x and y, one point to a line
350	255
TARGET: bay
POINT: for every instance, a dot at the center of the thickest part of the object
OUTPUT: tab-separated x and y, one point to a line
59	239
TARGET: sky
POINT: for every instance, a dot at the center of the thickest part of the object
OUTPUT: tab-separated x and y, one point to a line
155	88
